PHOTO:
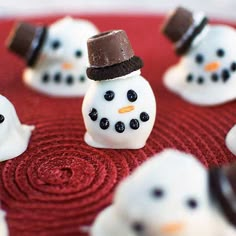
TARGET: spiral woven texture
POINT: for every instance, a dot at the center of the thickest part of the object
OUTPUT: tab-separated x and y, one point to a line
60	184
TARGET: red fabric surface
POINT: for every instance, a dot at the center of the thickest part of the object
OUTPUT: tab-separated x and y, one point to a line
60	184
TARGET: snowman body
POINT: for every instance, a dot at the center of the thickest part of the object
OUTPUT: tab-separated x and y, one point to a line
14	137
167	195
206	74
61	67
3	224
119	113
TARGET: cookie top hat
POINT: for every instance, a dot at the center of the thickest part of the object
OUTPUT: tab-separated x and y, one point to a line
182	27
222	182
111	56
26	41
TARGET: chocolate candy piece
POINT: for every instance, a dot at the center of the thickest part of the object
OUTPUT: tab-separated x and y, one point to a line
222	183
182	27
26	41
109	48
111	56
178	24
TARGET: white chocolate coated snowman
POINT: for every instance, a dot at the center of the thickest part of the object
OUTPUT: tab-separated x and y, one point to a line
167	195
119	108
3	224
206	72
14	137
230	140
58	62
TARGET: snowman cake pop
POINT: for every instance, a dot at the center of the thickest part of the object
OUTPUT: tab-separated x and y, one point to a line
230	140
223	188
206	72
56	55
3	224
119	107
167	195
14	137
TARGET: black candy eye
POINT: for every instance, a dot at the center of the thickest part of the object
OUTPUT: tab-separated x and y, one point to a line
157	193
56	44
132	95
78	53
93	114
220	52
199	58
109	95
138	227
192	203
2	118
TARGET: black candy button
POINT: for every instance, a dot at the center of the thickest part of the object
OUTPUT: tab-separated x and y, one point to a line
2	118
104	123
144	116
82	78
233	66
120	127
134	124
132	95
45	78
109	95
225	75
57	77
200	80
189	78
93	114
70	80
215	77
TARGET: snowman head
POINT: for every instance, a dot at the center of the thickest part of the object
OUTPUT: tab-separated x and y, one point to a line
9	121
206	71
167	196
213	59
66	43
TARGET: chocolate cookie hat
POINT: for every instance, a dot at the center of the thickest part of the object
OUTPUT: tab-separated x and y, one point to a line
222	183
111	56
26	41
182	27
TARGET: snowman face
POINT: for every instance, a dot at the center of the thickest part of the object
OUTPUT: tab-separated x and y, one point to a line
61	68
6	118
115	111
167	196
14	136
208	69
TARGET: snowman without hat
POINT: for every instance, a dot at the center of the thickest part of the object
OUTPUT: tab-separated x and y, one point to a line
56	56
119	107
206	72
170	194
14	137
3	224
230	140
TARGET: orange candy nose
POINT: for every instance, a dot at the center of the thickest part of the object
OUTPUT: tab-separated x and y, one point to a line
213	66
67	66
172	228
126	109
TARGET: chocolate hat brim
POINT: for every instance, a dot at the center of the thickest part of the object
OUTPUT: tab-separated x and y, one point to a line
187	44
114	71
36	52
27	48
226	201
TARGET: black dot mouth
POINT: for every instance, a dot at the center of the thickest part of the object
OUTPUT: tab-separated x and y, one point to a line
224	75
59	78
119	126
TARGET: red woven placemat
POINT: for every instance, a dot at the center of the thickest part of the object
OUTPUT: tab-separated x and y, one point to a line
59	183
